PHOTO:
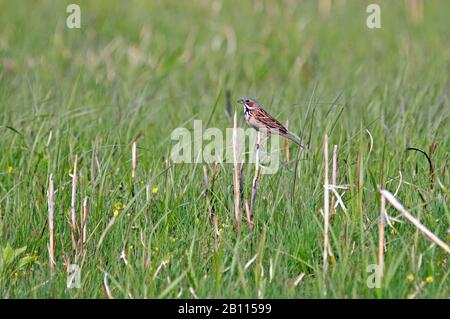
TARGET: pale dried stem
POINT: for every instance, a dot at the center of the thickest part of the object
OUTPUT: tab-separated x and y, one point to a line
334	177
381	237
133	160
73	204
51	210
326	204
237	213
49	139
256	177
133	166
249	218
84	220
148	197
105	231
399	207
286	143
106	286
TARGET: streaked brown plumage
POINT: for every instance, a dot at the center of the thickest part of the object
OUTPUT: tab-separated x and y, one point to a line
259	119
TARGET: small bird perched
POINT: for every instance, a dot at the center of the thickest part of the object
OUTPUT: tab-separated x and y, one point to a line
258	118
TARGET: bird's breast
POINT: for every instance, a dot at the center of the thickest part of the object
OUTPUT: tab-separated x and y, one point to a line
253	121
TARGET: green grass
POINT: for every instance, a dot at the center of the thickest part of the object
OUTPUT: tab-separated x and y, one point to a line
137	67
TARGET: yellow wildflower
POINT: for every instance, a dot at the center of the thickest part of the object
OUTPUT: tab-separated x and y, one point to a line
154	190
10	168
410	277
429	279
116	213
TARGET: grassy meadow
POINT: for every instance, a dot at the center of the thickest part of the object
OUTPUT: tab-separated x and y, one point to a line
140	69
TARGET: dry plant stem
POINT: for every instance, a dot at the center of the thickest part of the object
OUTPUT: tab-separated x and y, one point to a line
241	182
286	143
106	286
326	204
256	177
105	231
73	203
49	139
51	210
133	166
399	207
381	238
249	219
237	213
334	177
84	221
205	178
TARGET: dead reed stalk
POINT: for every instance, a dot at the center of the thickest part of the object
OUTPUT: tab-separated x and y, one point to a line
399	207
237	213
334	177
256	177
133	166
106	286
73	204
105	231
286	143
241	182
248	216
51	210
84	221
326	204
148	197
380	273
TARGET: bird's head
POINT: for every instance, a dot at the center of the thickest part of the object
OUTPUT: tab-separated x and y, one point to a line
249	104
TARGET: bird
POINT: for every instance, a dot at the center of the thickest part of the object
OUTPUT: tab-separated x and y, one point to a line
258	118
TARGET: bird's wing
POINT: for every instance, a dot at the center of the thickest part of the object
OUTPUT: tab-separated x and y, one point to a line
267	119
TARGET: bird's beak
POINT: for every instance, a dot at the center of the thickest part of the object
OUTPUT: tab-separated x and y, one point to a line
241	101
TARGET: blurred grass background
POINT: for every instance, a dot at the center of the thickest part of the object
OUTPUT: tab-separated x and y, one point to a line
152	66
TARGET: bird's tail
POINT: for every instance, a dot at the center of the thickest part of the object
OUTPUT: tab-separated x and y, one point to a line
294	138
